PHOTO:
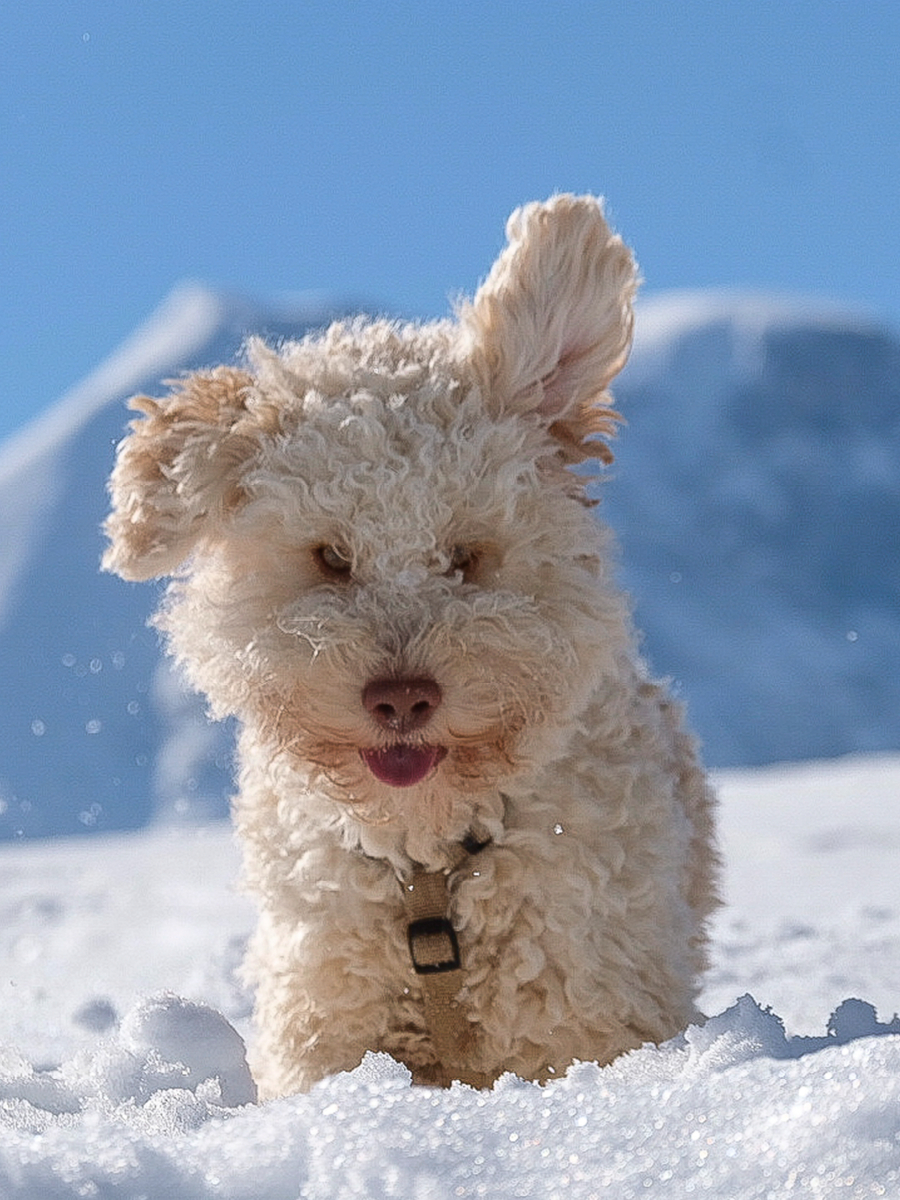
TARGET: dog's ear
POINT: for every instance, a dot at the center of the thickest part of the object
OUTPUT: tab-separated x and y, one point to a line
551	325
177	472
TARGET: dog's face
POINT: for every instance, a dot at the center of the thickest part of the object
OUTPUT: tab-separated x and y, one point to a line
388	569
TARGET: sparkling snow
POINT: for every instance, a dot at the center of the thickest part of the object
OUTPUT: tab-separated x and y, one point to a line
123	1074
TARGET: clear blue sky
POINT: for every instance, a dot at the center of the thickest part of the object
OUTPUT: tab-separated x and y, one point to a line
373	148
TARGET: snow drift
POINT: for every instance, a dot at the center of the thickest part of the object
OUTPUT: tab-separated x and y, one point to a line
756	493
123	1073
710	1113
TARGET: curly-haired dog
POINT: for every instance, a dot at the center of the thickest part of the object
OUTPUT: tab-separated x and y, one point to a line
478	835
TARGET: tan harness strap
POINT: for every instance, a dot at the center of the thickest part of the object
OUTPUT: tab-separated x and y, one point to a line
434	951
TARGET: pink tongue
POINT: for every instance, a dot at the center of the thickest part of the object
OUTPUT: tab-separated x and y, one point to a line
402	766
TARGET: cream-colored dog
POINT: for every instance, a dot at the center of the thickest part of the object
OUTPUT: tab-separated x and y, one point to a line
478	835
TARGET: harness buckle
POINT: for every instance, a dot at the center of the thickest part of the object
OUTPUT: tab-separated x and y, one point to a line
433	946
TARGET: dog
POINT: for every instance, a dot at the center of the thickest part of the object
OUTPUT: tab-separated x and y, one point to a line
478	834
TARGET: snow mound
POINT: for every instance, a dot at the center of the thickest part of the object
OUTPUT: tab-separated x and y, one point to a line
734	1109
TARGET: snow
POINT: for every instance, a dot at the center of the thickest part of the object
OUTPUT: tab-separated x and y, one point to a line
124	1075
669	317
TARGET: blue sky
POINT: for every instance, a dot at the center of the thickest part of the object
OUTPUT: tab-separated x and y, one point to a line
374	148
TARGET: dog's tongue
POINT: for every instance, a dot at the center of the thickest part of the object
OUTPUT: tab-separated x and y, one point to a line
402	766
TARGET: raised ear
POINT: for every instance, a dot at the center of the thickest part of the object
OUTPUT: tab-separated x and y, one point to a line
551	325
177	472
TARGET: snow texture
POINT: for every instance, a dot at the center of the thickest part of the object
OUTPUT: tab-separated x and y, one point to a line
756	492
733	1109
112	1087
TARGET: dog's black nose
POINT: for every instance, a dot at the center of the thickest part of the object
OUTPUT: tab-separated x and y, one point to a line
401	705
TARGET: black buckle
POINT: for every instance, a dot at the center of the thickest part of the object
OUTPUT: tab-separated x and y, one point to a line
434	927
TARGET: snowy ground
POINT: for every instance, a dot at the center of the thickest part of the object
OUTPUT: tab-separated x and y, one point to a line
106	1092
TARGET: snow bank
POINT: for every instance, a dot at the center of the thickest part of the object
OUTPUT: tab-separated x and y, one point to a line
734	1109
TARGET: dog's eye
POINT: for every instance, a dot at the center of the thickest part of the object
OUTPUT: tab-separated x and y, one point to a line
463	558
334	561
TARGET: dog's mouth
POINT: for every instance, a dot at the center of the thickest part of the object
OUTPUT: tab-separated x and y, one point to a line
403	765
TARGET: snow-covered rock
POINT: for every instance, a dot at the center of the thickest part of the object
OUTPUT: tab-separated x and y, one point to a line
756	493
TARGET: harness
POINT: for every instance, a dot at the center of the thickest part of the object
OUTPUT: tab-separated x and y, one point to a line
435	956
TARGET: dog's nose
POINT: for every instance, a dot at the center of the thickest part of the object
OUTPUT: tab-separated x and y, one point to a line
401	705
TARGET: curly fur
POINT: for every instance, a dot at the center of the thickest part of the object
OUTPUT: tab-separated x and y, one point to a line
437	460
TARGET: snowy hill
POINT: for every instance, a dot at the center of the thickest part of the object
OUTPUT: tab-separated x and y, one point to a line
756	492
94	731
758	503
110	1089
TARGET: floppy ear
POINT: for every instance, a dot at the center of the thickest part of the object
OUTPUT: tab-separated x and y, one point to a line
176	474
551	325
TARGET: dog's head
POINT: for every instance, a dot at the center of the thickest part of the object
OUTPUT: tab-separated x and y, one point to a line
384	563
